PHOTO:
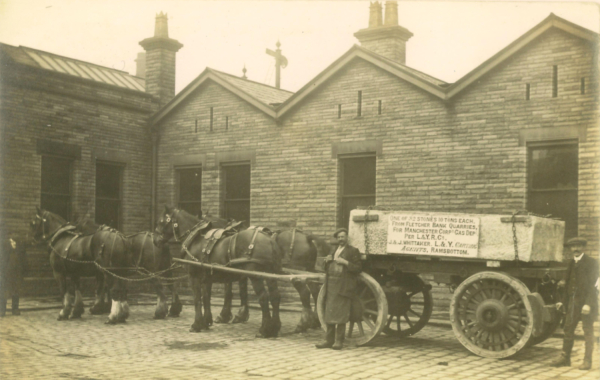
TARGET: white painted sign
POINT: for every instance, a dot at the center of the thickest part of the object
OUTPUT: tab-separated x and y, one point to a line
433	235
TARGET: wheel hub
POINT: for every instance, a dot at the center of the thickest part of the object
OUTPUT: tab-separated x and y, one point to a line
492	315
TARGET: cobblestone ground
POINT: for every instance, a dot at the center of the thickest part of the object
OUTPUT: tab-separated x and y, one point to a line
35	346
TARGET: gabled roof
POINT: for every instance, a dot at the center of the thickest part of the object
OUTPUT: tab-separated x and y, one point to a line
73	67
268	99
417	78
552	21
428	83
261	96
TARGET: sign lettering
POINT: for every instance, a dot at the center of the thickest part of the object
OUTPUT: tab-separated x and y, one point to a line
433	235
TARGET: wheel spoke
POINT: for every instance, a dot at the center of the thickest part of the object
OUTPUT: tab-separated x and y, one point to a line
414	312
350	329
369	323
408	320
370	312
389	321
360	329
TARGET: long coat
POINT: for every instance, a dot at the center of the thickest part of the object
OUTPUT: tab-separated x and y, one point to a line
580	285
340	284
13	267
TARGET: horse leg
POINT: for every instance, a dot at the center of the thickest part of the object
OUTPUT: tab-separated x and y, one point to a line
64	294
263	300
243	313
199	323
275	298
176	305
115	309
305	316
124	314
99	307
315	288
226	315
206	295
161	304
78	308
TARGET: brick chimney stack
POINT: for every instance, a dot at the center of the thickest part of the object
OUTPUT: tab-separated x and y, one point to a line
160	61
388	38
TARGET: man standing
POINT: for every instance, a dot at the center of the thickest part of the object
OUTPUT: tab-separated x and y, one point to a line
580	298
342	268
13	265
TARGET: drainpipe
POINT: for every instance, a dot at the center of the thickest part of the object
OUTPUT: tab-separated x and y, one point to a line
155	138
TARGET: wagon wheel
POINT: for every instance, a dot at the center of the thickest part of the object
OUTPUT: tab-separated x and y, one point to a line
547	330
369	311
491	315
409	308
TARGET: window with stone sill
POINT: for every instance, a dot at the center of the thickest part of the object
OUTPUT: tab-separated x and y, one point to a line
109	184
357	184
552	177
56	185
189	189
236	191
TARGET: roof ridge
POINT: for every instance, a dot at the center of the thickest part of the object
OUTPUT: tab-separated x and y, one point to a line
248	80
400	64
78	60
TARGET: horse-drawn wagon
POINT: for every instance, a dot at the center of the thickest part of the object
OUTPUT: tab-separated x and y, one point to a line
503	270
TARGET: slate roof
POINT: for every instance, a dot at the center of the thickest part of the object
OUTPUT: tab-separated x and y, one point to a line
73	67
264	93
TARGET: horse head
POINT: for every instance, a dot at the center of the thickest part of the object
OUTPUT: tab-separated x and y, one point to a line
175	224
44	225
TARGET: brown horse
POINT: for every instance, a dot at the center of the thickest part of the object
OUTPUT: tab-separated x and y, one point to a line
75	255
249	250
149	259
300	251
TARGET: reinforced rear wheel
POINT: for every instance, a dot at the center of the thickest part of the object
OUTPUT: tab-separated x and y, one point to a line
369	311
409	307
491	314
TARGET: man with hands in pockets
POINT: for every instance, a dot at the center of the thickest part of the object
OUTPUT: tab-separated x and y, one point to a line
342	267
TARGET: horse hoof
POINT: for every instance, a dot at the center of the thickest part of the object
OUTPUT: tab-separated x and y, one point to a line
194	330
299	330
71	317
110	322
173	315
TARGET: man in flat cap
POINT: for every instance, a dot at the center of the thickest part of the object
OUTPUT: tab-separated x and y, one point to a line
342	267
580	299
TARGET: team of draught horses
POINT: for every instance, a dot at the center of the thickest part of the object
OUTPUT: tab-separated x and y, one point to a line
84	249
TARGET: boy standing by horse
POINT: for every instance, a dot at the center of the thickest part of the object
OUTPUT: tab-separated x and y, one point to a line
13	266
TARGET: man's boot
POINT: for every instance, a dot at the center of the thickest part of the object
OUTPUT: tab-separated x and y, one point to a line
2	307
329	338
564	360
587	358
340	334
15	305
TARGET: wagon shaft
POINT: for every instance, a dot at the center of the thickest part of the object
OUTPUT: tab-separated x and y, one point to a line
304	276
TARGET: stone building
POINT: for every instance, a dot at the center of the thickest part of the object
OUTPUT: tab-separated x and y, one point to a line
520	131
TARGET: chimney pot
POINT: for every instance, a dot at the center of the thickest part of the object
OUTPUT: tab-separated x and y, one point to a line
375	19
391	13
161	27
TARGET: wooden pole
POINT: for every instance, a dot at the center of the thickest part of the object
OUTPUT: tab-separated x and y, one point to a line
301	276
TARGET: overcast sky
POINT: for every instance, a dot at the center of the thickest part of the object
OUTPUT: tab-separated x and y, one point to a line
450	38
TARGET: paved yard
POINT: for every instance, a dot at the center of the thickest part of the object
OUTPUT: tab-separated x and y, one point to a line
35	346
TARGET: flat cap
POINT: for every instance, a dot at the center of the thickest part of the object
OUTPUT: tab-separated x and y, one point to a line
335	234
576	241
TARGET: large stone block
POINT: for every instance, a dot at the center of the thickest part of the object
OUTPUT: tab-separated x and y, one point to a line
469	236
